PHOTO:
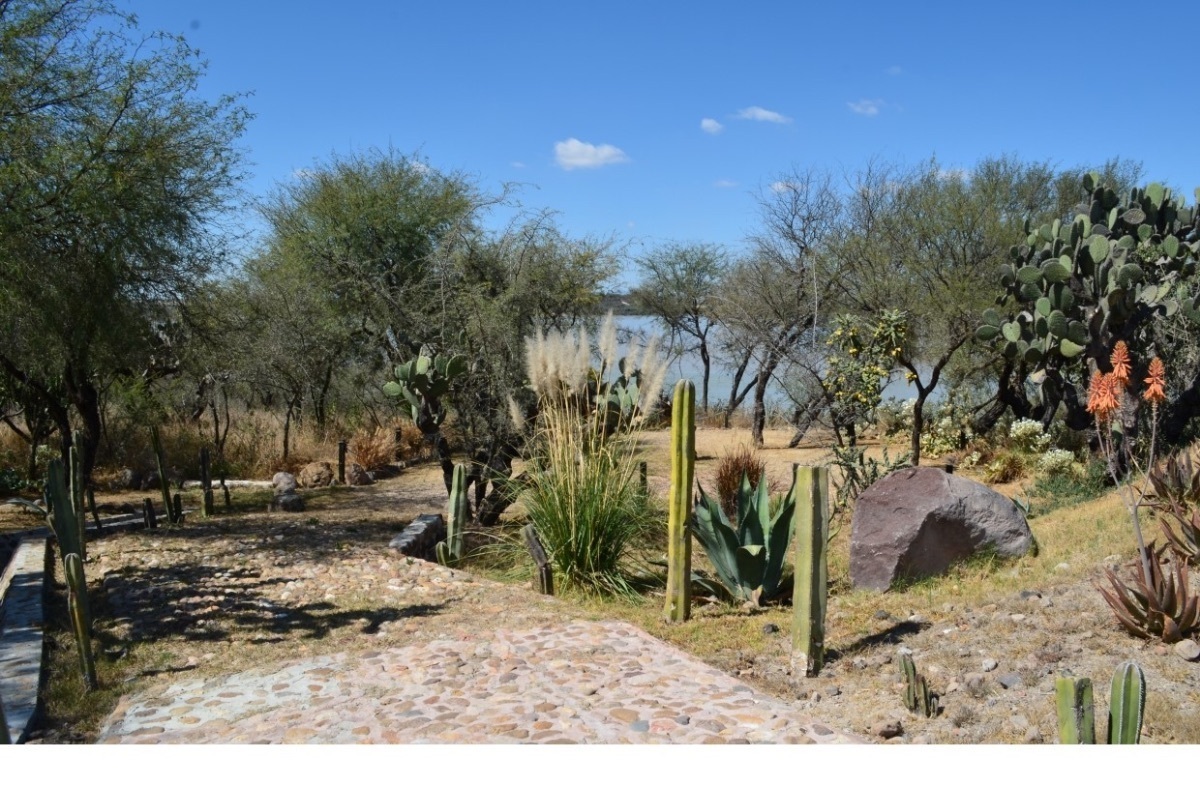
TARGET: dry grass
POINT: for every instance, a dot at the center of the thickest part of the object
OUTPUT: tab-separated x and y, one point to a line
731	470
374	450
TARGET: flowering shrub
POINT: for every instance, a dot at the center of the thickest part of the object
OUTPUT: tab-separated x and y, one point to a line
1027	435
1058	462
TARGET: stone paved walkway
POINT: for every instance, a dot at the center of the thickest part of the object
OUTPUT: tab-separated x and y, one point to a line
582	682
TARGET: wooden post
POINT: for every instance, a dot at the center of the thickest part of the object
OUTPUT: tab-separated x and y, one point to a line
341	462
77	491
206	501
91	499
177	509
228	499
148	513
163	482
811	538
543	578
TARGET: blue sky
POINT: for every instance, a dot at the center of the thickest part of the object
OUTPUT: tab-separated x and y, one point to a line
653	122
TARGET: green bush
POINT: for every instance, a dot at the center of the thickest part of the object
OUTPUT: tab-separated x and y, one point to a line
1081	483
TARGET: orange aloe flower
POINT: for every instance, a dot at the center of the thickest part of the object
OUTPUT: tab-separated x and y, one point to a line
1120	363
1102	395
1155	392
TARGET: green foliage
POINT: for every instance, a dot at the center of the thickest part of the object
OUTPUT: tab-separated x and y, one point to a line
422	383
1155	604
748	557
1053	490
1078	287
862	354
858	472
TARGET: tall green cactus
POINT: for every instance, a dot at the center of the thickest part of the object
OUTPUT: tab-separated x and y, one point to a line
160	458
810	590
678	606
1127	704
450	552
1076	713
77	605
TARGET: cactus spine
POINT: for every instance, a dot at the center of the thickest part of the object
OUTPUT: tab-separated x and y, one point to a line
450	552
1126	705
1076	714
812	570
679	538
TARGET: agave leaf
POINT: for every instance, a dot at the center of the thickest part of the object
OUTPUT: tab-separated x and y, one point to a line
752	562
777	540
718	539
745	499
25	503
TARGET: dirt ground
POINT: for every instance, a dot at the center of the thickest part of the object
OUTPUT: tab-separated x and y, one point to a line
993	663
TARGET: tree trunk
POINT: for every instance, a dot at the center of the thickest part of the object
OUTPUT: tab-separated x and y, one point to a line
707	362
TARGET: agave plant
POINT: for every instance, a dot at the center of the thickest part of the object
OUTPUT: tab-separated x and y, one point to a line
1158	606
1184	540
748	557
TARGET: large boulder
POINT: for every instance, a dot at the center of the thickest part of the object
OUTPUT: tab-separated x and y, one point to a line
283	482
919	522
316	475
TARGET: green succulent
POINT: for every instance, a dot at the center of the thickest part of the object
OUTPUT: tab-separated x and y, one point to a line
748	557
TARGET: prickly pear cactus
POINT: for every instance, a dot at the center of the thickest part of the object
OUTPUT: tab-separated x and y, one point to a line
1073	289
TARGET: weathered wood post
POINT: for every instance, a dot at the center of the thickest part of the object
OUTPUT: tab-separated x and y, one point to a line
177	509
91	499
812	570
543	577
148	516
164	484
341	462
679	532
643	480
206	504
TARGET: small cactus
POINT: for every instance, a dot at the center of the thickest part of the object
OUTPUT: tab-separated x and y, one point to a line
810	587
1127	704
77	604
1076	713
917	696
450	552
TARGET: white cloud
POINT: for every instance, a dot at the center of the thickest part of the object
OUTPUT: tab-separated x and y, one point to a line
894	70
725	184
576	154
866	107
762	114
781	186
517	165
711	125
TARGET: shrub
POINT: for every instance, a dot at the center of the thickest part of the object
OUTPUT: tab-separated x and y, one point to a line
731	469
1006	466
1027	436
1057	462
373	450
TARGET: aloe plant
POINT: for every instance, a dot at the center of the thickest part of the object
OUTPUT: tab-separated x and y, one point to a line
748	556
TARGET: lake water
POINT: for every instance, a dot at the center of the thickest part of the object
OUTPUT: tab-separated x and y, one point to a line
688	365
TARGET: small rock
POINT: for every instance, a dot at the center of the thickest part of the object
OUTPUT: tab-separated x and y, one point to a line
915	618
290	502
1018	721
889	730
1033	736
1030	595
990	665
770	628
1063	566
283	482
1016	618
881	614
835	691
1188	650
953	686
1046	603
974	681
1011	680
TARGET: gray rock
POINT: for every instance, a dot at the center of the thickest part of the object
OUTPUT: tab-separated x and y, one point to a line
290	502
1188	650
770	628
315	475
357	475
889	730
919	522
1010	681
420	537
283	482
990	665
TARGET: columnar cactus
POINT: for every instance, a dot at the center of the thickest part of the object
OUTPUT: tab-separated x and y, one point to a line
77	605
810	591
1126	705
450	552
679	538
917	696
160	458
77	489
1076	713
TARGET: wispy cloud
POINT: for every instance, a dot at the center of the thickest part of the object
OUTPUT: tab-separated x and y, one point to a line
711	125
894	70
518	165
762	114
725	184
781	186
576	154
866	107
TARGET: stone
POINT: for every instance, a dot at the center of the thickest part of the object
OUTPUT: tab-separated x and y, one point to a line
283	482
889	730
357	475
290	502
919	522
1033	736
127	479
990	665
315	475
770	628
1188	650
420	537
1009	681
